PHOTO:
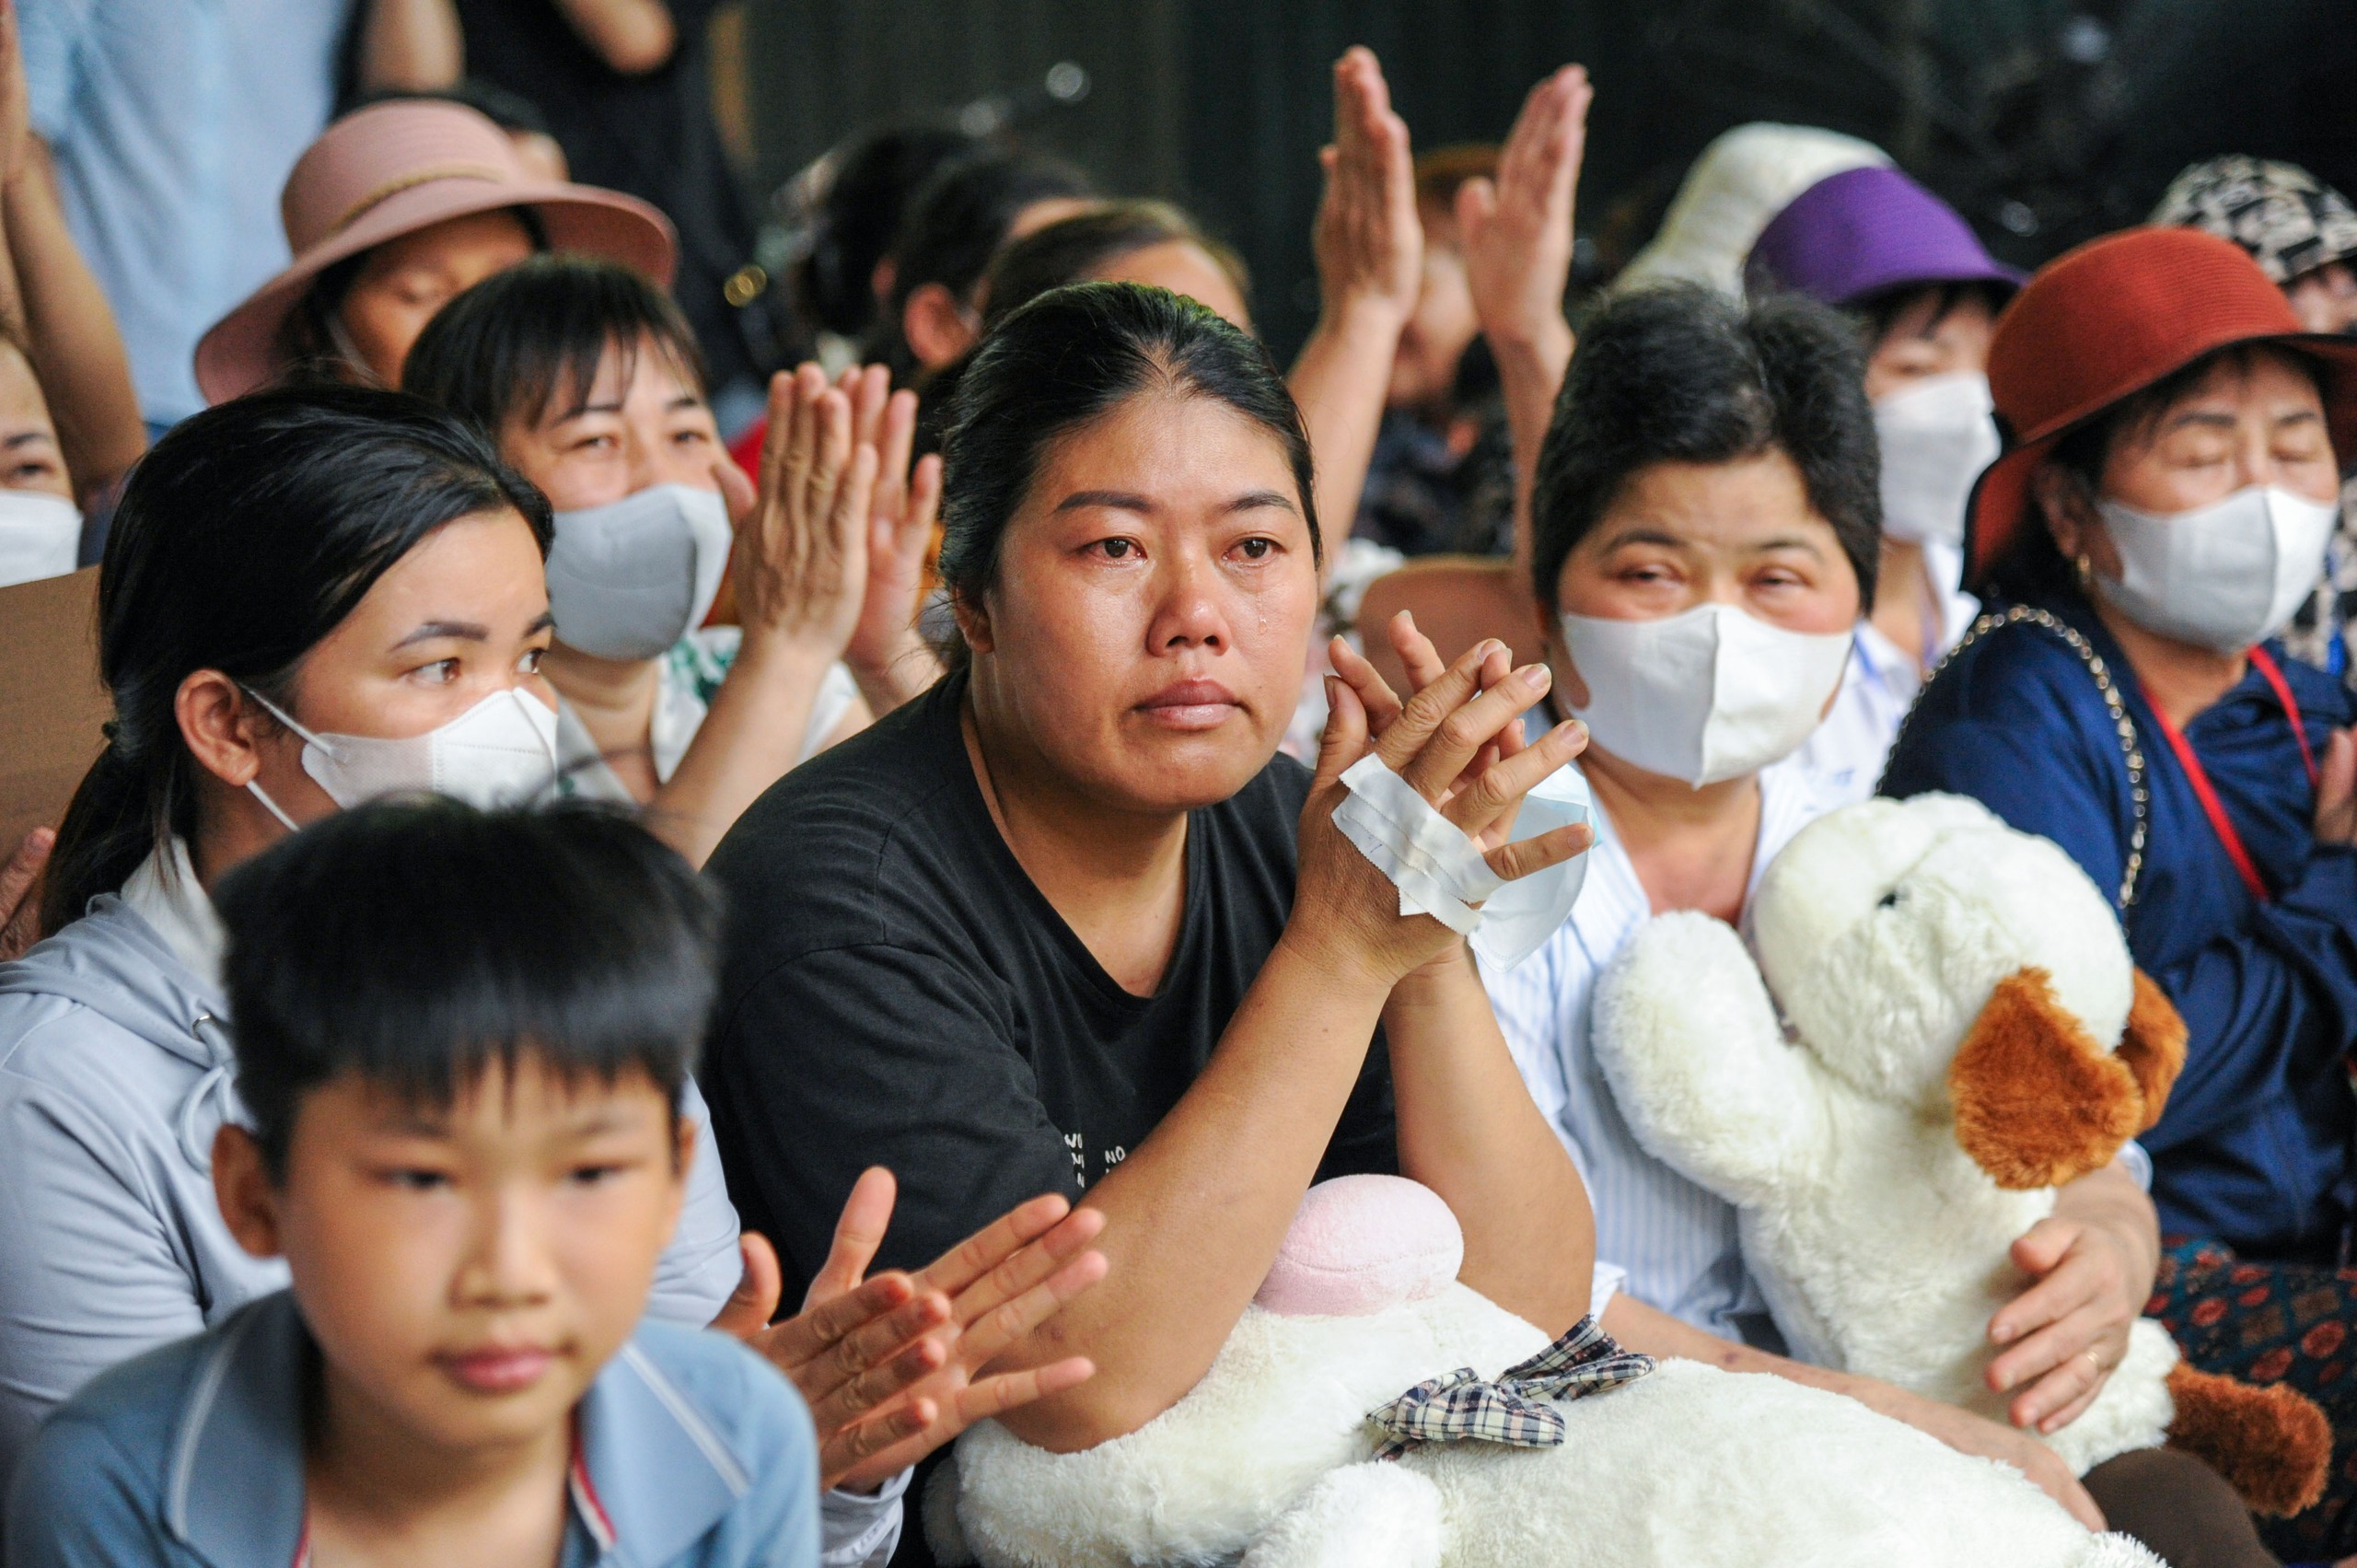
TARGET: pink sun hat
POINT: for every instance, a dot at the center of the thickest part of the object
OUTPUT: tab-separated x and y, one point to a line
391	169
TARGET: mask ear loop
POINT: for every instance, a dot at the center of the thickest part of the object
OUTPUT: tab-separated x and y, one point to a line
253	786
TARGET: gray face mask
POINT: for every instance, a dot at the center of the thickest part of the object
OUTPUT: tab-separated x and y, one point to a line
628	579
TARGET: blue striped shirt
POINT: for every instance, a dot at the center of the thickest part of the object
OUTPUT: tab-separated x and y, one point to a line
1677	1242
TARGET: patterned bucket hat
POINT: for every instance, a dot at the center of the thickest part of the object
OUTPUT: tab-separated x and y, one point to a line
2289	220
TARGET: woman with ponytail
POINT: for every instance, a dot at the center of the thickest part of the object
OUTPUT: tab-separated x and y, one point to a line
308	599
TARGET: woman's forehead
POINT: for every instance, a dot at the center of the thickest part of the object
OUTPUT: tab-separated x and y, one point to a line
1753	501
1169	443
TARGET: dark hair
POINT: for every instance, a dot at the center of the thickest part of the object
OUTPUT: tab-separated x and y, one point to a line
1877	313
308	352
2032	566
955	224
1067	359
522	340
415	942
851	224
1680	374
244	537
1074	250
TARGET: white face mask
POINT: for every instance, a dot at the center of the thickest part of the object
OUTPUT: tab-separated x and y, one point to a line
2222	577
1937	436
501	751
40	536
630	578
1708	695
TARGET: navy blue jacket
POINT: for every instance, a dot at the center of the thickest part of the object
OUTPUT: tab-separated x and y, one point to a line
2254	1146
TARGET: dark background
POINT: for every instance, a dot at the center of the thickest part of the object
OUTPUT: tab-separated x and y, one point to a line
2045	121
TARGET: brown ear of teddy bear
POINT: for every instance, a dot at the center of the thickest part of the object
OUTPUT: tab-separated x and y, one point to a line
2154	1045
2273	1444
2038	1101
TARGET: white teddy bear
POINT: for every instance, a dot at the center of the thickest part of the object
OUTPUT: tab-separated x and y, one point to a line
1930	1070
1270	1458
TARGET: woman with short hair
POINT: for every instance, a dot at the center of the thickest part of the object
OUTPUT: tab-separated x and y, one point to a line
588	378
1706	541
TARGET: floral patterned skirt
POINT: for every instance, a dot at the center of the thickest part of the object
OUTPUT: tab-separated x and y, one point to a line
2292	1323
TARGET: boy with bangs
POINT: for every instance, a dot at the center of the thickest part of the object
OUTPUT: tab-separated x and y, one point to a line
465	1138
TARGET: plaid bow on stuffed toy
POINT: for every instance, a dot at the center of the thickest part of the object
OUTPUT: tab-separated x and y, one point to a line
1517	1408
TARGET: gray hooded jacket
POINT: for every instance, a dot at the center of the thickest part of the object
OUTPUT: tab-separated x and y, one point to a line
115	1072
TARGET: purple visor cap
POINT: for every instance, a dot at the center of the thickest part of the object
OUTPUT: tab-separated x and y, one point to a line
1863	231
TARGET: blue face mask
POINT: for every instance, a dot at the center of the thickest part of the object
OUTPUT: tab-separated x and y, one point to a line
630	578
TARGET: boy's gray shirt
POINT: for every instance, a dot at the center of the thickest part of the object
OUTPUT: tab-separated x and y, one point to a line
115	1072
690	1451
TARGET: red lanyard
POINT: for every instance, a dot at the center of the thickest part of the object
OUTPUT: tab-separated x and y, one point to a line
2199	776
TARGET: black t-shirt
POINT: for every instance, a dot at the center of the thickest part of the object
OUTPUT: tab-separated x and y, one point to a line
651	135
898	993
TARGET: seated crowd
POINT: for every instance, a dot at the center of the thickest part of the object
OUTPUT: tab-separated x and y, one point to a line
580	900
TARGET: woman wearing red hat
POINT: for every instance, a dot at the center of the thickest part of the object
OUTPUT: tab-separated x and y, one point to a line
2162	507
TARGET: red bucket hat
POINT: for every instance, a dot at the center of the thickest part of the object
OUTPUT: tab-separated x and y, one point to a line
393	169
2100	323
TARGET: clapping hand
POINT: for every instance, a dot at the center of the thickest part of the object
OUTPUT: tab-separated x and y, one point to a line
799	568
892	1368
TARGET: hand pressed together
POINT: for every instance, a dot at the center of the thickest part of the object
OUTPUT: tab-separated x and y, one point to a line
1516	230
1457	742
892	1368
1368	241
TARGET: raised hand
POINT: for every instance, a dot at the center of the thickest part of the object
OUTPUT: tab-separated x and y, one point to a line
1368	241
890	1367
886	653
1517	230
15	111
800	564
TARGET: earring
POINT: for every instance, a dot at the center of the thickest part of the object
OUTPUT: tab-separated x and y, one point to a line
2086	574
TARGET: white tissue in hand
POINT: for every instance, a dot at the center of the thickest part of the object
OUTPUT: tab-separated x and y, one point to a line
1439	873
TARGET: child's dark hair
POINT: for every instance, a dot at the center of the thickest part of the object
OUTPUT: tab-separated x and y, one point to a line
1075	249
854	221
954	224
1066	359
1680	374
531	338
246	536
415	942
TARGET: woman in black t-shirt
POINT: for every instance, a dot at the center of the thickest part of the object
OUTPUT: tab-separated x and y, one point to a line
1068	922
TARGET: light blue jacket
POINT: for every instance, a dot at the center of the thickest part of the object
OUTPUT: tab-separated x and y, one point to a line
115	1072
690	1452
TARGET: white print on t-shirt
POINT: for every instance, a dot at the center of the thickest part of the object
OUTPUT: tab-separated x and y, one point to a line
1078	1144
